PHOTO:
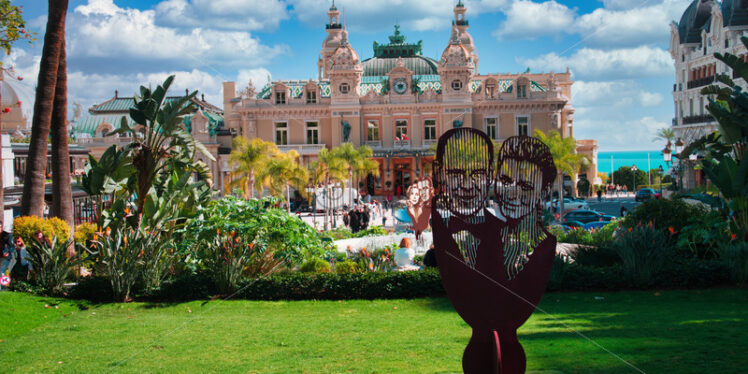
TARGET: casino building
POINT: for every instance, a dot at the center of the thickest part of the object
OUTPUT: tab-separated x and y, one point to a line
399	102
706	27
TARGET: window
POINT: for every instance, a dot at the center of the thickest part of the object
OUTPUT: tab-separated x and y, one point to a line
344	88
280	97
372	131
429	129
523	127
401	129
522	91
312	133
491	129
690	107
727	43
281	133
311	97
456	85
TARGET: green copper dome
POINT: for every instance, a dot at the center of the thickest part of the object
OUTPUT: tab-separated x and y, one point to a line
386	56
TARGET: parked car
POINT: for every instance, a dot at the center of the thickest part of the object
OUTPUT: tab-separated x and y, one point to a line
586	216
569	204
644	194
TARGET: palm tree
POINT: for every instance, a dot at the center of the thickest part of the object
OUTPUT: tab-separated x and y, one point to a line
334	169
565	157
283	171
666	133
62	193
349	154
366	165
32	201
249	158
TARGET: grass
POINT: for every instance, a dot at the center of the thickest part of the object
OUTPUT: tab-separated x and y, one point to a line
670	331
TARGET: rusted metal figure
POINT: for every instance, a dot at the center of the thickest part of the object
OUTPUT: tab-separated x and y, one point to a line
419	196
494	266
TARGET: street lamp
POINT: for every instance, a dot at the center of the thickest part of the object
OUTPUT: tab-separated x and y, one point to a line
667	154
678	149
634	169
662	175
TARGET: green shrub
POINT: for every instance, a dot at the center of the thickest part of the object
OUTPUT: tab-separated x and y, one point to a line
704	234
347	267
643	250
52	265
120	257
595	256
735	257
578	236
663	214
84	233
315	265
371	231
26	228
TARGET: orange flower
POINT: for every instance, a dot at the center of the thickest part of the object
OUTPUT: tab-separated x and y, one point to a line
218	231
127	210
672	231
732	237
124	239
108	231
233	233
371	266
630	229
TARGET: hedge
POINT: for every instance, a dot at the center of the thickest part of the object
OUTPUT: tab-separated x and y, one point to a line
398	285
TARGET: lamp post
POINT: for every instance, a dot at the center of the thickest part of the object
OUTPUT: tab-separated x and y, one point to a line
634	169
678	149
662	174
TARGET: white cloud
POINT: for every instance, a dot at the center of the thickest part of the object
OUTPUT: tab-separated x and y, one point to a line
370	16
590	63
612	96
636	23
222	14
614	135
529	20
116	35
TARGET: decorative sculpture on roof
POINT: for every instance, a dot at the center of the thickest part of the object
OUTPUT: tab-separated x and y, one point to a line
250	91
77	111
458	123
419	204
494	267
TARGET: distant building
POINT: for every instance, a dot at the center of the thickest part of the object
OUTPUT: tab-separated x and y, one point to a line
399	102
706	27
16	108
205	123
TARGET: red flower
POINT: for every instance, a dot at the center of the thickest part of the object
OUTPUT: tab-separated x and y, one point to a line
6	110
732	237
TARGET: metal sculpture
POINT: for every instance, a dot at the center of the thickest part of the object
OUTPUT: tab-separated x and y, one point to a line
494	267
419	204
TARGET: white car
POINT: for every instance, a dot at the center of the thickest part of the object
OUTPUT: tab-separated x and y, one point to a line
569	204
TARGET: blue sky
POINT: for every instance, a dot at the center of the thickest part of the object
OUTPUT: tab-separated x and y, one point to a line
617	50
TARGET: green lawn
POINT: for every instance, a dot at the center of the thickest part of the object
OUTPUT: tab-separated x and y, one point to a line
667	332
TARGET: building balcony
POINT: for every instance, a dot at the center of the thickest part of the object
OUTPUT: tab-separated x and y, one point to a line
700	82
401	143
302	149
701	118
374	143
428	142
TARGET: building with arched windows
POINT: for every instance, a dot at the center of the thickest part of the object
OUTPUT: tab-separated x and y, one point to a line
399	102
705	28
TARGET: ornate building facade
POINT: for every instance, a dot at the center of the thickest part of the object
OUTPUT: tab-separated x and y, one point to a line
705	28
399	102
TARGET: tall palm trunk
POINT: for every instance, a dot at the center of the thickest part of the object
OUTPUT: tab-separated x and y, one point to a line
561	194
2	163
32	201
62	194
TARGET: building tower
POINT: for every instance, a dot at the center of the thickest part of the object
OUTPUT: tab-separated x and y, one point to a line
456	70
333	40
461	24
